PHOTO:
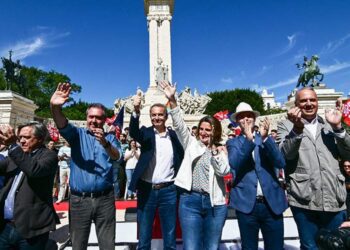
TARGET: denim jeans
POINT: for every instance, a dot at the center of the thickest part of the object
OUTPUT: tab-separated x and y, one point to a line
148	201
201	223
309	222
263	218
100	210
11	239
129	173
116	167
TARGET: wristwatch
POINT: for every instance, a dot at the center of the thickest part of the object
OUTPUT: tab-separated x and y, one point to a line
214	152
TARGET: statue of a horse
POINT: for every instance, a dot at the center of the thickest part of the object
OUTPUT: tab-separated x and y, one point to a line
311	72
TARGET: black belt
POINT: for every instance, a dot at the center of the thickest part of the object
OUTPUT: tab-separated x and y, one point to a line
260	199
162	185
91	194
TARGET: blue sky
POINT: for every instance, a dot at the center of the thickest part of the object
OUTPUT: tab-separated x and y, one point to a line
216	45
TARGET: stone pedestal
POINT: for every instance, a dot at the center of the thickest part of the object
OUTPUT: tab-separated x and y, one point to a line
15	109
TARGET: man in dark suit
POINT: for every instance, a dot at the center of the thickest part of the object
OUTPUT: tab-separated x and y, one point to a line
26	210
153	177
256	194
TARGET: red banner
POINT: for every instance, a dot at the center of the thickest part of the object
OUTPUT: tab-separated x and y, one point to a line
222	115
54	134
346	112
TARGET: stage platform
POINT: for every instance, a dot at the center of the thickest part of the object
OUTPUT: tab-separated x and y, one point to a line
126	230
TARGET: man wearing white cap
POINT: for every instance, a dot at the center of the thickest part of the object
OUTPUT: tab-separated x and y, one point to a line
256	194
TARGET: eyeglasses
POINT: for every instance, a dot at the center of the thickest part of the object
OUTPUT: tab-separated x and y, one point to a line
346	166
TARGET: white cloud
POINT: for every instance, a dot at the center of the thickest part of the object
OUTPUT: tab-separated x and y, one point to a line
226	80
332	46
34	45
334	68
21	50
292	39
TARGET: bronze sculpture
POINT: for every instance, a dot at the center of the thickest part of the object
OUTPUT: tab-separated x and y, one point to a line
311	72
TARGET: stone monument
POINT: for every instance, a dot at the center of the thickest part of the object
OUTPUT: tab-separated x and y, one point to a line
159	15
15	109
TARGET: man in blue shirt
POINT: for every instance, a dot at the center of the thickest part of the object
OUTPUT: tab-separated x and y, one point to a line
91	174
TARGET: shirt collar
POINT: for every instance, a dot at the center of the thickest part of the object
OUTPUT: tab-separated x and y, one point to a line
313	122
157	132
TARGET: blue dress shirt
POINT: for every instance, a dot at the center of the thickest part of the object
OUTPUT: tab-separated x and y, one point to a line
91	167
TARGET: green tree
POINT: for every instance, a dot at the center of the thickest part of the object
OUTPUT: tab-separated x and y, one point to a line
41	86
77	111
229	99
2	79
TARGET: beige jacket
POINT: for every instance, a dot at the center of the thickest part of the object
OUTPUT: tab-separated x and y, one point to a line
193	149
314	179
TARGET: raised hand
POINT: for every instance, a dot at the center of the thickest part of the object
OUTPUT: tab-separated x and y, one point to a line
169	89
333	117
247	129
137	101
100	136
61	94
264	126
294	115
7	135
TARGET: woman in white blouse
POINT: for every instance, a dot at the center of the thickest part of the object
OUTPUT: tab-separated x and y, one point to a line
202	206
131	157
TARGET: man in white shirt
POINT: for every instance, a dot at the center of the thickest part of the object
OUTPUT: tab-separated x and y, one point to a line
153	178
64	156
312	148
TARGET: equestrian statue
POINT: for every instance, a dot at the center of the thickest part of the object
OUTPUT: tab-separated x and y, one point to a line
311	72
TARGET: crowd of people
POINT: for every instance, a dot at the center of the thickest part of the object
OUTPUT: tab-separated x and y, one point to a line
177	171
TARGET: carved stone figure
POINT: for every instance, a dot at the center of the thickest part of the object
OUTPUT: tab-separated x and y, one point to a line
128	102
193	104
162	71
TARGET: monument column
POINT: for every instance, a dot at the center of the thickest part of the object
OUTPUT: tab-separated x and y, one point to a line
165	45
159	15
153	47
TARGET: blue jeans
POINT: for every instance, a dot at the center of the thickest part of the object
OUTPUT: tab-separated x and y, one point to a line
309	222
148	201
116	167
201	223
10	239
129	173
263	218
100	210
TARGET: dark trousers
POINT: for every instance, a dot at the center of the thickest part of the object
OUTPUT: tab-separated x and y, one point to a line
263	218
84	211
309	222
11	239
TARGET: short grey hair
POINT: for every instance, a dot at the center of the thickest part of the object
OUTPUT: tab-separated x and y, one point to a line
97	105
39	130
